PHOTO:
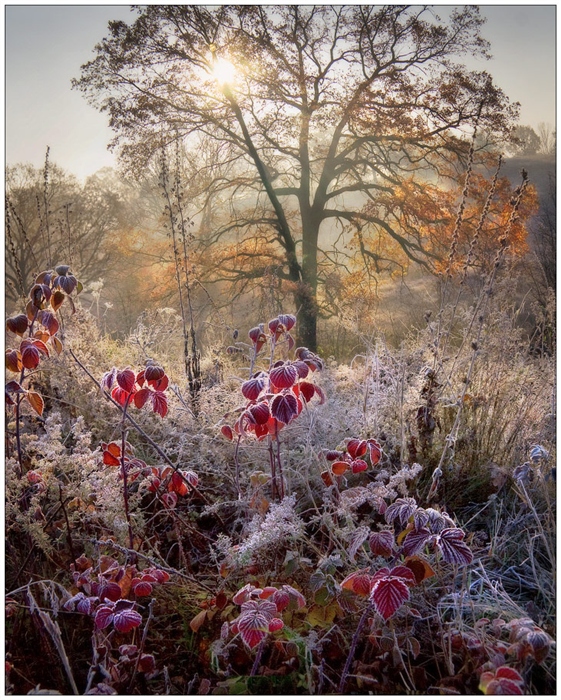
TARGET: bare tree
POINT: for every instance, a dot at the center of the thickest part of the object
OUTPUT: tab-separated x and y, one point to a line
547	139
321	118
51	218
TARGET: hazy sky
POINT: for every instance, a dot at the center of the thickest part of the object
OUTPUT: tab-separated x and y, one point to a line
46	44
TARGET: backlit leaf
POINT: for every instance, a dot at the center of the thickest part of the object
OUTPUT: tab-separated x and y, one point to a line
36	402
339	467
17	324
356	448
141	397
198	621
420	567
126	380
159	403
13	361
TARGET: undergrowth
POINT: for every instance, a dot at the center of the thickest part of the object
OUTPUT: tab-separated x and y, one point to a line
296	525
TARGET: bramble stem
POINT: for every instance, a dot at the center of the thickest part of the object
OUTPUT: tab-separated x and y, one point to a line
352	650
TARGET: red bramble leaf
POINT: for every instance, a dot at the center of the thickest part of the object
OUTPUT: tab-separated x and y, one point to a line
275	624
358	465
356	448
226	430
126	380
121	396
382	543
416	540
307	390
388	595
260	413
284	407
375	451
159	403
252	388
124	618
283	377
141	397
103	617
359	582
253	626
141	588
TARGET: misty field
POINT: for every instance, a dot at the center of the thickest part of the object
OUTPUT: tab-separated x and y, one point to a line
281	395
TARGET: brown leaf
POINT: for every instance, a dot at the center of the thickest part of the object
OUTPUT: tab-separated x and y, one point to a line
198	621
36	402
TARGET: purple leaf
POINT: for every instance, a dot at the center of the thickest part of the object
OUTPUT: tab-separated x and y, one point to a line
103	617
284	407
126	620
416	540
382	543
252	388
454	549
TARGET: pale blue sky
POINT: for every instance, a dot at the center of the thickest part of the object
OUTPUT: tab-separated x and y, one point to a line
46	44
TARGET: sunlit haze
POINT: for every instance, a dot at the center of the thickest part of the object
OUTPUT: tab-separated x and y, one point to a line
46	45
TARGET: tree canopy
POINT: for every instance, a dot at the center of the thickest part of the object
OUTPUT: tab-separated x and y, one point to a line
306	125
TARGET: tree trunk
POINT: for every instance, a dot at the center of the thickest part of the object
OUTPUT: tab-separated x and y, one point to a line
305	296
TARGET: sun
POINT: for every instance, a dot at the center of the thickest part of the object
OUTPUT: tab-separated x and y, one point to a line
224	71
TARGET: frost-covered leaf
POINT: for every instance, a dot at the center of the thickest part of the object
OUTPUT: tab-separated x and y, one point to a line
284	407
253	626
359	582
382	543
103	617
260	412
356	540
374	450
358	465
275	624
339	467
253	387
126	380
454	549
17	324
401	510
159	403
125	618
356	448
388	595
283	377
416	540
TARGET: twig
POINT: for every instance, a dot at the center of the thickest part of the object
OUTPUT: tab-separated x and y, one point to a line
356	636
142	641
